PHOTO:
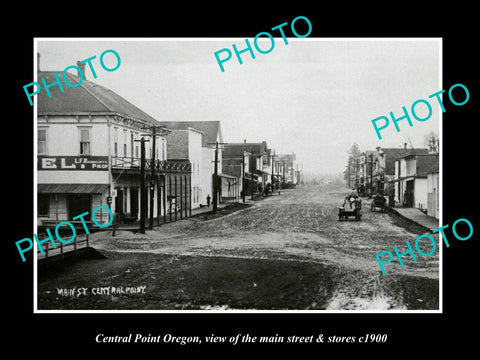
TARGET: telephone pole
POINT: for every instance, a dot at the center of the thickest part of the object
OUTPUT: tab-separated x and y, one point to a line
243	176
162	131
273	161
252	187
371	175
143	200
215	176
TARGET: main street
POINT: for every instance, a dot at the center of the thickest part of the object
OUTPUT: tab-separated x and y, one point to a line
287	251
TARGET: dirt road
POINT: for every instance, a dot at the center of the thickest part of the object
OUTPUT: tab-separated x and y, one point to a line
288	251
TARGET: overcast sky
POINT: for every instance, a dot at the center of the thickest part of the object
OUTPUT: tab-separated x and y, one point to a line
314	96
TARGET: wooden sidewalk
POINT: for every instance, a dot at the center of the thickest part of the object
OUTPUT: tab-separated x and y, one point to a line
417	216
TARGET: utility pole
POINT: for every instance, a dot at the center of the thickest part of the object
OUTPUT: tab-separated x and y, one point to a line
143	200
152	178
273	161
371	175
243	177
278	177
215	176
251	167
153	134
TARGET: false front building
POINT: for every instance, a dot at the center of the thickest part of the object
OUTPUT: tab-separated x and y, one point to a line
197	142
89	154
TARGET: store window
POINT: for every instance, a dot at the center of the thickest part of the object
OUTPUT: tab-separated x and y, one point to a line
132	142
136	146
125	143
43	204
85	142
163	149
115	141
42	141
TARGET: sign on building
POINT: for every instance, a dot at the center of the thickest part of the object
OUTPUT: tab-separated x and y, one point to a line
72	163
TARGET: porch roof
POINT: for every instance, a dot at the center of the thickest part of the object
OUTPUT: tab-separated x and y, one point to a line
72	188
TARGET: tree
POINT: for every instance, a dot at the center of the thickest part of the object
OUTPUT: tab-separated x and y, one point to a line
351	173
432	142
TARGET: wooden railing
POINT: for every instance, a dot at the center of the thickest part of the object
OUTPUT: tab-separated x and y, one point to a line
79	242
160	165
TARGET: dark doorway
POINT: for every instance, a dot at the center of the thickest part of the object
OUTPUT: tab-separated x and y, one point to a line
409	191
79	204
119	201
134	202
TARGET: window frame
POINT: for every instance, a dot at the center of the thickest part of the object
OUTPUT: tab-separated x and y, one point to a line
115	141
89	131
45	152
45	203
125	133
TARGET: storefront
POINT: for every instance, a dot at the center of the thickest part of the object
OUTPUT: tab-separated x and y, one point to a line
68	186
167	193
61	202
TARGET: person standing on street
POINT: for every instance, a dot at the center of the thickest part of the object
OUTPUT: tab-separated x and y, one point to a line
208	200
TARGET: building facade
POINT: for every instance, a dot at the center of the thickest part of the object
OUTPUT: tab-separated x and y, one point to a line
211	134
256	160
89	154
433	190
286	169
411	182
377	170
186	145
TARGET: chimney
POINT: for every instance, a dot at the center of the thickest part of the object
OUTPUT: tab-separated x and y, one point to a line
82	69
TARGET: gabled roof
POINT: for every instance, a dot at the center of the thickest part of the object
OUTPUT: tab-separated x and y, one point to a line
286	157
398	153
237	149
394	154
426	163
88	97
177	145
211	129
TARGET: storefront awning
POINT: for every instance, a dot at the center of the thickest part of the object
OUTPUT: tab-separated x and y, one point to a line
72	188
228	176
248	176
405	178
261	172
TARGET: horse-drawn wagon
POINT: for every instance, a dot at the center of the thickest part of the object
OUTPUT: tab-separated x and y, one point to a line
352	206
378	203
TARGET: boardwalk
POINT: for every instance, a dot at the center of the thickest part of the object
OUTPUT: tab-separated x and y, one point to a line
428	222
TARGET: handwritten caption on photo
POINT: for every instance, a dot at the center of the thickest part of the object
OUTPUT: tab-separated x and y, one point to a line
76	292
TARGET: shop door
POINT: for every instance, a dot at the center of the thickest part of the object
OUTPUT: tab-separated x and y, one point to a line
409	191
134	202
79	204
119	201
